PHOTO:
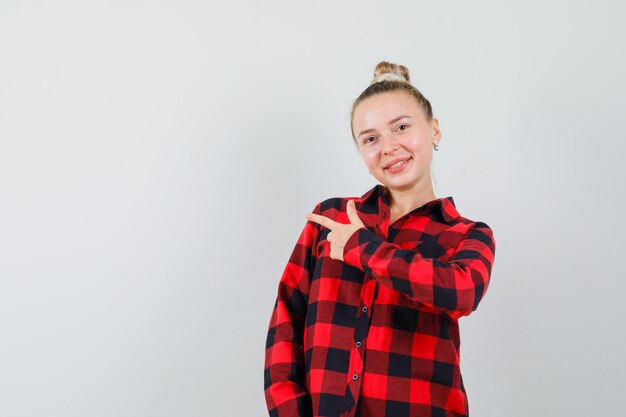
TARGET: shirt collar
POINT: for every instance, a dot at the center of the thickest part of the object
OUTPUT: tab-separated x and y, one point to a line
373	200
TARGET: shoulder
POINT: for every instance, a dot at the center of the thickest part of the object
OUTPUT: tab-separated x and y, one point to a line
332	206
464	227
450	213
472	223
477	230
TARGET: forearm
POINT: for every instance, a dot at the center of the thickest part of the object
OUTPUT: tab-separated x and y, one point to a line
456	286
286	393
284	377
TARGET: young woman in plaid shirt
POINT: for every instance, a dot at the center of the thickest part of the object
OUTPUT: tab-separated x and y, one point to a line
366	318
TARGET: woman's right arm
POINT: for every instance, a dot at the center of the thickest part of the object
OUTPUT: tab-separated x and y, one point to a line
285	374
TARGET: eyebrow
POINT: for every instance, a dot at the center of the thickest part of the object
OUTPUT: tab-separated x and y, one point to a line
390	122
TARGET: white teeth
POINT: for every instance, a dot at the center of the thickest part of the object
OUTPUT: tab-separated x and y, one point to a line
397	164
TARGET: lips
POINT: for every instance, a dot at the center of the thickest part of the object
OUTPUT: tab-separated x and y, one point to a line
395	161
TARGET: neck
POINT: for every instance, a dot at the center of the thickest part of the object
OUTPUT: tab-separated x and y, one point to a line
404	201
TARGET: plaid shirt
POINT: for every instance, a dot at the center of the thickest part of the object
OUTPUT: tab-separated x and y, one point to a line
377	334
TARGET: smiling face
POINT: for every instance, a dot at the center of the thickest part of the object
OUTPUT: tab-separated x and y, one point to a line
396	140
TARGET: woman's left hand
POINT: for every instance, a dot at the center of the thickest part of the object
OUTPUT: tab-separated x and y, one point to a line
339	232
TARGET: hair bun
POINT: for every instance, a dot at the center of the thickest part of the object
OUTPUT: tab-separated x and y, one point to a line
388	71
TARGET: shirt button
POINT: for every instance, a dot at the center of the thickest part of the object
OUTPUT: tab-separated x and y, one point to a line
358	344
364	309
355	377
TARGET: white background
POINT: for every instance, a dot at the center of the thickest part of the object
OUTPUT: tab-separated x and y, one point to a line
157	159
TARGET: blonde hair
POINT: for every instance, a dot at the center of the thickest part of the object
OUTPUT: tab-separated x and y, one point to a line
391	77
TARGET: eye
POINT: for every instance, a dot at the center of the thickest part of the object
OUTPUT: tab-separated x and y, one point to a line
367	139
403	127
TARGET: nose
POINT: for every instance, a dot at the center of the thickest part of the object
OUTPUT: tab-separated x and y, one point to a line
389	144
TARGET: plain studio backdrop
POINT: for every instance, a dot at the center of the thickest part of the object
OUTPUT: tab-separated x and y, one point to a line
157	159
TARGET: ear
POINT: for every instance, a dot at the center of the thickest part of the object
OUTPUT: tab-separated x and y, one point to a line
434	124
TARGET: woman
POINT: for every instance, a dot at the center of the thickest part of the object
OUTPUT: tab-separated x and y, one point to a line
366	318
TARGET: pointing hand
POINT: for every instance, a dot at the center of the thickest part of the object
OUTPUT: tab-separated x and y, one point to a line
339	232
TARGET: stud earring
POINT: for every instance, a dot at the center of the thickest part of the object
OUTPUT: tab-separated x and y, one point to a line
435	146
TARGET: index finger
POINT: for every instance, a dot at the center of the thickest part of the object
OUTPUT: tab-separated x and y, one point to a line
323	220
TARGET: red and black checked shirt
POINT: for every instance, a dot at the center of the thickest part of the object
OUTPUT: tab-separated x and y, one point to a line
377	334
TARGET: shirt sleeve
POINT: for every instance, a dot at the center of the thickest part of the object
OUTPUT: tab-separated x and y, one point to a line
285	373
454	287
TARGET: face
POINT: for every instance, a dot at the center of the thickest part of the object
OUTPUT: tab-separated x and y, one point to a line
390	128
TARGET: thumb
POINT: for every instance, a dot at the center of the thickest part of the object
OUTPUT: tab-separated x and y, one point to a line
352	213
